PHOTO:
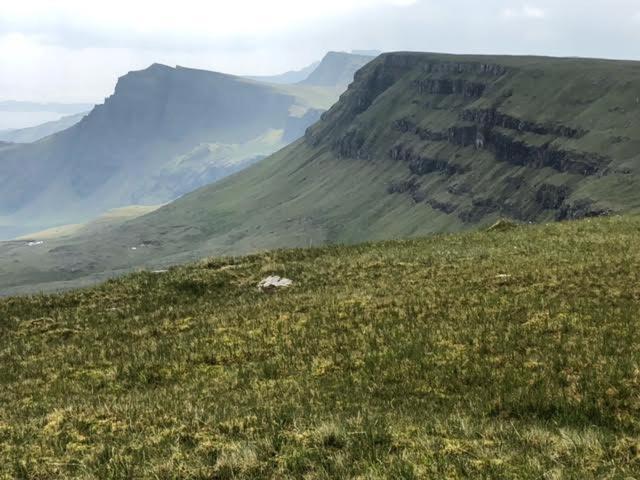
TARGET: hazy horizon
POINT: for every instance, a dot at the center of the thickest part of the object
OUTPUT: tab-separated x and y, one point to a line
73	51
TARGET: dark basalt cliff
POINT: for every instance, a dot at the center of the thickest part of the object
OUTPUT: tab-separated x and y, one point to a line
527	138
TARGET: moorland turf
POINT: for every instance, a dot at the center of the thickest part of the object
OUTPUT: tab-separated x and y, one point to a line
511	353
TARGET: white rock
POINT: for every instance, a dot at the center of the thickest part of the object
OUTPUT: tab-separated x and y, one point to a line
35	244
274	282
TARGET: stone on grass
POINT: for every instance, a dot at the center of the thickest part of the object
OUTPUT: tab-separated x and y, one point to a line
274	282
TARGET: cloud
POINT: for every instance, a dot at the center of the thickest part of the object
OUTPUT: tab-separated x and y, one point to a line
402	3
74	50
188	23
524	12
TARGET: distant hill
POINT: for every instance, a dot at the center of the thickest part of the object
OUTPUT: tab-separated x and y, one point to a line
19	115
164	132
336	69
64	108
33	134
290	77
368	53
419	143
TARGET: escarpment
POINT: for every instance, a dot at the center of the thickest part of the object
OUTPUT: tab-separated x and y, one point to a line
510	149
479	137
419	143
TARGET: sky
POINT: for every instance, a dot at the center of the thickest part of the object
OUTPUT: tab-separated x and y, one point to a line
74	50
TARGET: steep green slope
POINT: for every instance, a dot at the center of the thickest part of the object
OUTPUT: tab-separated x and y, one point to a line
512	353
419	143
119	154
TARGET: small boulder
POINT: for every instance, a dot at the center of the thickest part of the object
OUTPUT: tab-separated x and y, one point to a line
274	282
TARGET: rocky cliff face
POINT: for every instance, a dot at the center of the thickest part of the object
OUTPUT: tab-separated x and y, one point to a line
530	139
179	103
115	155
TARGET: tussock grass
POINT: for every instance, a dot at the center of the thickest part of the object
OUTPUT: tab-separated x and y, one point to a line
502	354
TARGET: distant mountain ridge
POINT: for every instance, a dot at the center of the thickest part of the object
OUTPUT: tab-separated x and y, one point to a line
57	107
33	134
418	144
291	77
129	149
367	53
336	69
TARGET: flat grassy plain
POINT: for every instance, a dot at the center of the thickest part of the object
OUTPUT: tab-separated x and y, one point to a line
510	353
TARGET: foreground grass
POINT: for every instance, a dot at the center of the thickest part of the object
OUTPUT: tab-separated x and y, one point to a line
504	354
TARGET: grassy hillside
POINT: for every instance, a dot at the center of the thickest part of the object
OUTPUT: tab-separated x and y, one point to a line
418	144
303	205
105	221
512	353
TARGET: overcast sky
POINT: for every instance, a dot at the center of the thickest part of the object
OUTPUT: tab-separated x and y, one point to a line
74	50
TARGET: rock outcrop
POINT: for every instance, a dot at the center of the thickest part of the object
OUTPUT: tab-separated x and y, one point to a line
448	86
491	117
